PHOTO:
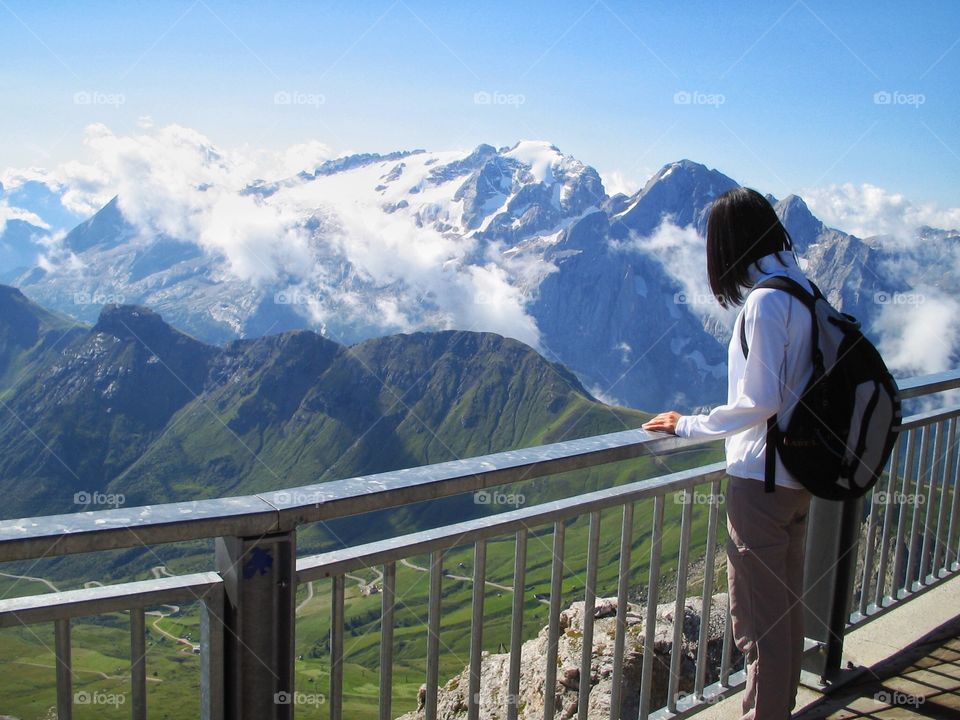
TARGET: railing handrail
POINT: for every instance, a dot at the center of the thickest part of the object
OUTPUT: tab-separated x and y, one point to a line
337	562
928	384
64	605
101	599
282	510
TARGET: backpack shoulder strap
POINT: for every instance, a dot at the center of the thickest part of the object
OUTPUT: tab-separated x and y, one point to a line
791	286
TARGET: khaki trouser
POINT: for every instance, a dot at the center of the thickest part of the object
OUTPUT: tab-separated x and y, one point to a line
765	571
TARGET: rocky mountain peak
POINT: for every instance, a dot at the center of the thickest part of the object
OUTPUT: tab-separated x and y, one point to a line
804	228
132	322
683	190
107	228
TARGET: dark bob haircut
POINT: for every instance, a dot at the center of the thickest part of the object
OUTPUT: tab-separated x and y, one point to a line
742	228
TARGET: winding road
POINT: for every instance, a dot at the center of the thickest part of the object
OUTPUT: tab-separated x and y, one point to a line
410	565
49	584
190	648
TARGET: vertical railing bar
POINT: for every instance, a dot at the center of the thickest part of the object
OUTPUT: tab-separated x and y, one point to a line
913	564
943	504
953	542
553	631
884	536
212	690
707	603
899	583
653	587
589	605
433	635
867	572
680	602
936	468
727	642
476	631
336	646
516	623
62	651
388	602
138	664
623	586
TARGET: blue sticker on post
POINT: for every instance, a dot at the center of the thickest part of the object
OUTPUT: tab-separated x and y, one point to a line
259	563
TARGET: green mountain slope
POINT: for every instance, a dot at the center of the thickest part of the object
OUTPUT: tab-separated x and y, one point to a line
93	408
29	336
133	407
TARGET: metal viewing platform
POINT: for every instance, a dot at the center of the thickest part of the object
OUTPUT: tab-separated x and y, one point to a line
864	559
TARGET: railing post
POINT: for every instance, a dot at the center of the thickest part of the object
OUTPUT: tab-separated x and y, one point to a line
258	617
833	533
212	655
61	630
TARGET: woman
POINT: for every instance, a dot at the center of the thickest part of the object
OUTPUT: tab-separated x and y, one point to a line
746	243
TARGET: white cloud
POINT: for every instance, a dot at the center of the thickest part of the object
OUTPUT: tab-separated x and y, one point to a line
428	279
8	213
867	210
920	334
616	182
682	252
14	177
332	247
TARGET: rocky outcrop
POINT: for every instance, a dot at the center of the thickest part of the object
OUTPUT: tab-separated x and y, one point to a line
495	668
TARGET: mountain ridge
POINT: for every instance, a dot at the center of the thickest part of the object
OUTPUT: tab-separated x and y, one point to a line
521	240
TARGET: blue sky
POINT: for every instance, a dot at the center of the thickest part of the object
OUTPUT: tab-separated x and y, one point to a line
779	95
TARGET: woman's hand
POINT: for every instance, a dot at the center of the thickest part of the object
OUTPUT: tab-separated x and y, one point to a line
664	422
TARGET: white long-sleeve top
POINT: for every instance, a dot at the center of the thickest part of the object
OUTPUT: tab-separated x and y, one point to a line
769	380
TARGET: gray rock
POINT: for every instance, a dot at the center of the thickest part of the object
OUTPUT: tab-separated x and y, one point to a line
495	668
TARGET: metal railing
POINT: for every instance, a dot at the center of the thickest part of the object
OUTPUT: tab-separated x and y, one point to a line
247	607
910	534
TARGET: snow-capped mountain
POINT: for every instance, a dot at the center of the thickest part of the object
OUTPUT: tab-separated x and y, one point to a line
520	240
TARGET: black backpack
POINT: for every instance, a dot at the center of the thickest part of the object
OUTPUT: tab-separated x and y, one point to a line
842	429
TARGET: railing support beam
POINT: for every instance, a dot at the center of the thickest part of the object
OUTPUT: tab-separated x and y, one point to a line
829	570
259	584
